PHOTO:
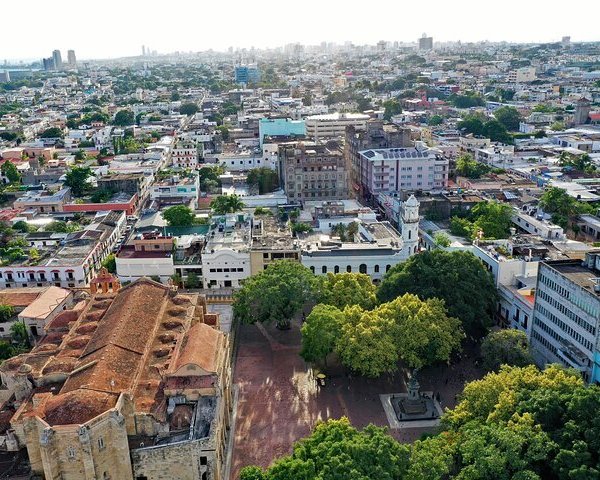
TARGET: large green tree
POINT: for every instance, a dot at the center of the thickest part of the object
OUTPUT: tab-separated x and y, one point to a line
561	206
344	289
505	347
77	180
321	332
337	451
517	424
509	117
458	278
188	109
263	178
6	313
467	166
275	294
179	216
124	118
9	170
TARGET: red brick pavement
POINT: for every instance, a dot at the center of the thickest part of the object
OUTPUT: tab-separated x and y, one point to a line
278	403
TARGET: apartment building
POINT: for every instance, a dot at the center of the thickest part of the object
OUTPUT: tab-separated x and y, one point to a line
566	315
333	125
376	135
312	171
185	155
402	169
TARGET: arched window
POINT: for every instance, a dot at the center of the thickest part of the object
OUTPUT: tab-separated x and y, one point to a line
362	268
336	269
349	268
312	269
324	269
376	269
387	268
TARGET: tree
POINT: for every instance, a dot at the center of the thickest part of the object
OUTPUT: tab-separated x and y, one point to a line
188	108
509	117
124	118
58	226
392	107
224	132
192	281
175	96
467	166
493	218
52	132
301	227
22	226
275	294
18	332
467	100
336	450
9	170
209	178
321	332
263	178
226	204
77	180
496	132
558	203
179	216
472	124
6	313
442	239
505	347
345	289
110	263
458	278
435	120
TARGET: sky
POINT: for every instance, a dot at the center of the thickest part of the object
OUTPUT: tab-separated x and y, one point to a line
31	29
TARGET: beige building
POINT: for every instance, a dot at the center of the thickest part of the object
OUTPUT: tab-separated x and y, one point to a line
271	241
333	125
313	171
132	383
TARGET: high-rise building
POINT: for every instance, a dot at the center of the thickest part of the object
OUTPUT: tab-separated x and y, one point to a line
566	317
48	63
425	42
247	73
56	56
582	111
71	58
143	50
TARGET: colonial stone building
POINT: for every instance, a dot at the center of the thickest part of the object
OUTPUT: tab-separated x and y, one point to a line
132	383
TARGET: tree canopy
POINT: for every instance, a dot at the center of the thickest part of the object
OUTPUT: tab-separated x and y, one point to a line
509	117
490	220
9	170
458	278
226	204
562	206
77	180
275	294
467	166
124	118
188	109
52	132
179	216
321	332
344	289
517	424
263	178
505	347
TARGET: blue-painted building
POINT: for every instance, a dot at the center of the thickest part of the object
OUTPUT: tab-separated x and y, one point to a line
280	127
247	74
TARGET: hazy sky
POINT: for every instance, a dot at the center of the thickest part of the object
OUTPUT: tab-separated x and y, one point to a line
114	28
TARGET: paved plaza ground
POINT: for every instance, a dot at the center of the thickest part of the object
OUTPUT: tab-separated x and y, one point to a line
279	403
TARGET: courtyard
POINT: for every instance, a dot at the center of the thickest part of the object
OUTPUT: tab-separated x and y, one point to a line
278	401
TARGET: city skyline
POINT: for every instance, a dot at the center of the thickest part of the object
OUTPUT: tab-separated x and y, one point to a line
130	26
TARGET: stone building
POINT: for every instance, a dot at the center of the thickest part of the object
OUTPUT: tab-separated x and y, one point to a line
132	383
313	171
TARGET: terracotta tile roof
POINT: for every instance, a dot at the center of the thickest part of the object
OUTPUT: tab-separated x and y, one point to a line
200	347
20	297
77	407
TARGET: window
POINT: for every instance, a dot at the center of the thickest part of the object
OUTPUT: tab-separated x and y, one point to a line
349	268
324	269
387	268
362	268
101	444
376	268
71	452
312	269
336	269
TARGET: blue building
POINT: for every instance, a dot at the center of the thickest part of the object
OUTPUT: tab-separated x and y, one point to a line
247	74
280	127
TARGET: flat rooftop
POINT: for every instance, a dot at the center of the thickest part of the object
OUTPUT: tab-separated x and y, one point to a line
578	274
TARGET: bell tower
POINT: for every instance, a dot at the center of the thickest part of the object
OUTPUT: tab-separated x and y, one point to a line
410	226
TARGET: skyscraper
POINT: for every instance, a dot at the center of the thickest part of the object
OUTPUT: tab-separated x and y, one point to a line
143	50
48	63
56	56
71	58
425	42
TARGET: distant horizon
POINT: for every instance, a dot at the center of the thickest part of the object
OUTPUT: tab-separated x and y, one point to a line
118	29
